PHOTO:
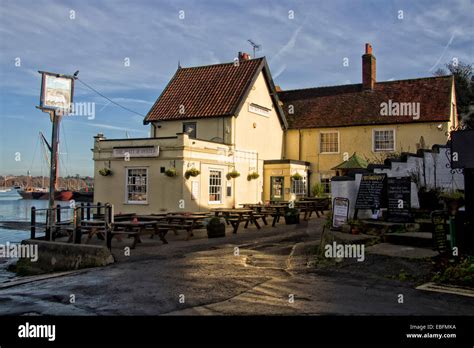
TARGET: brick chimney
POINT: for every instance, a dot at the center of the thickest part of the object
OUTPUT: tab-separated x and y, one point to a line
368	68
243	56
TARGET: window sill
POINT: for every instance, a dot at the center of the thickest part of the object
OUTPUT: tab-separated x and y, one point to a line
379	151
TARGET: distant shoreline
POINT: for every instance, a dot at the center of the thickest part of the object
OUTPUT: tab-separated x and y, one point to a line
18	225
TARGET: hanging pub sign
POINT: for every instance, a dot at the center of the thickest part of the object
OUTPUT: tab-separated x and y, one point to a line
56	92
340	212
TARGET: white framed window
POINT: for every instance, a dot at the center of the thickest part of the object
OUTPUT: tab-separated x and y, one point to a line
190	128
298	187
329	142
136	186
383	140
215	186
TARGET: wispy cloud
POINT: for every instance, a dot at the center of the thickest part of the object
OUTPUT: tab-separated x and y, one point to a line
306	50
108	126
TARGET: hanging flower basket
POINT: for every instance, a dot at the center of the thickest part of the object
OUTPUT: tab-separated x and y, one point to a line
232	175
105	172
191	172
296	176
171	172
252	176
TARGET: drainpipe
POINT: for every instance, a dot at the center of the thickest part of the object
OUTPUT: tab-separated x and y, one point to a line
299	144
308	182
223	130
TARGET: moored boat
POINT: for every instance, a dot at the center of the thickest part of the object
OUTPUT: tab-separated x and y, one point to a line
64	195
83	196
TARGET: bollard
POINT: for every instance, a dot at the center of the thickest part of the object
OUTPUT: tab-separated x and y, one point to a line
33	223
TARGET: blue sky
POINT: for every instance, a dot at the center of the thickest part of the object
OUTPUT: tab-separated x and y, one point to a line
304	51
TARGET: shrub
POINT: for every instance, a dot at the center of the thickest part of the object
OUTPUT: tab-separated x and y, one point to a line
318	190
458	273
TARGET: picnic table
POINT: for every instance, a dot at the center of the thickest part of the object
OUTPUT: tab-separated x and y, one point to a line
134	229
94	227
276	210
236	216
314	204
177	221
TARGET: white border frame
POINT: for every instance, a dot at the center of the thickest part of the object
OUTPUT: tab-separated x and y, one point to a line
394	139
338	142
126	186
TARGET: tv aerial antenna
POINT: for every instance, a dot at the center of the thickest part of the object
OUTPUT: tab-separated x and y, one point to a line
255	46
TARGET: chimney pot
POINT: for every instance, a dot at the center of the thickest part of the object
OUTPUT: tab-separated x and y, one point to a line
368	48
243	56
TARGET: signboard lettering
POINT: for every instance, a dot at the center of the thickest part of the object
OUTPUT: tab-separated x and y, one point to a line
399	199
146	151
438	219
370	194
340	211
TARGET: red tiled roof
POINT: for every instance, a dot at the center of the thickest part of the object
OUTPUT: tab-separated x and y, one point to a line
205	91
350	105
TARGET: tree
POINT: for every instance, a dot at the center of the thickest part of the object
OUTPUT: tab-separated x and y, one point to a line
463	81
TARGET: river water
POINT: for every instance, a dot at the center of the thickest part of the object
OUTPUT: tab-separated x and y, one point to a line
14	208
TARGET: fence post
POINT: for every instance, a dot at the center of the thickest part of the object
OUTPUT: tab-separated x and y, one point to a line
33	223
82	211
77	224
47	231
58	213
99	208
88	215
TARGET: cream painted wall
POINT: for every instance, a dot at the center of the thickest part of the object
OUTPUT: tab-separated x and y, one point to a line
267	135
164	193
207	128
358	139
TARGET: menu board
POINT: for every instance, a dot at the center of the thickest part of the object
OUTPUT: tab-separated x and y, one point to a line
399	199
340	212
439	231
371	189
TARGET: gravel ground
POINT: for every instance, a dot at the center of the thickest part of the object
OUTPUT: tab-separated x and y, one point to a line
267	274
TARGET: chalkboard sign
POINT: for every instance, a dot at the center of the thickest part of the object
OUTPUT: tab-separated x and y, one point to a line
370	195
438	218
399	199
340	212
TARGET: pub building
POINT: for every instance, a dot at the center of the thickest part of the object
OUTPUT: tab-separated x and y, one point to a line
216	120
223	135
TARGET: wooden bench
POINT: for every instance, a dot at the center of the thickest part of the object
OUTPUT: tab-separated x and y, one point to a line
119	233
186	226
135	230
